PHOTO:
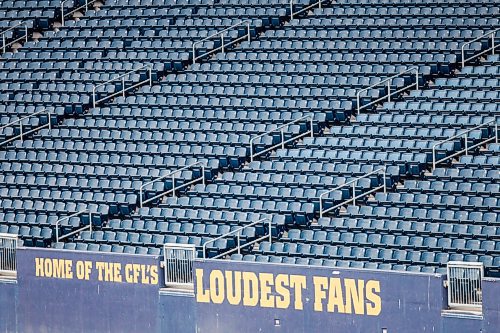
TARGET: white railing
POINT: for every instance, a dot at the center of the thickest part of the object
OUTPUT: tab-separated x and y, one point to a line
292	13
238	233
8	248
283	142
58	222
22	133
390	93
492	49
178	261
247	36
122	79
465	285
174	187
4	38
354	197
63	15
465	136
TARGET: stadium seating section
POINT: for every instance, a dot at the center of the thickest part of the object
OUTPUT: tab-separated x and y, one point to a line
97	158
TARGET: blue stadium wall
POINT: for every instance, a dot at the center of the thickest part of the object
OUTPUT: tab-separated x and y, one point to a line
68	291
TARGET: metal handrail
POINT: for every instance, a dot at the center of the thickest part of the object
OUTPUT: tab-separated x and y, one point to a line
221	33
283	141
292	13
174	188
25	37
58	239
465	136
122	77
63	15
238	233
20	121
492	33
354	197
389	93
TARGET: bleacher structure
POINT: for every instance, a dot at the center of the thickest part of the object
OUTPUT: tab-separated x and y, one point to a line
274	114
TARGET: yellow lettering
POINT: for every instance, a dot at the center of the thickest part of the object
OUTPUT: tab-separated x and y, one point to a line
320	284
283	298
69	269
39	267
375	306
154	274
335	296
128	273
202	295
88	269
217	286
354	296
144	275
266	298
250	289
100	270
47	267
137	271
80	270
298	282
233	291
117	274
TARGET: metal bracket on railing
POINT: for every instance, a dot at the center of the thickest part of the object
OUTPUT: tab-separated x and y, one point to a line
354	197
283	141
492	49
247	36
21	129
465	136
174	187
63	15
25	37
122	78
238	238
292	13
58	222
389	92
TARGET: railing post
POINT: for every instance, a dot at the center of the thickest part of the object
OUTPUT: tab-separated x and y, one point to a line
358	102
21	130
311	124
496	133
270	230
239	246
385	180
354	194
140	196
222	42
3	42
248	31
389	91
433	157
123	87
466	145
282	139
194	54
291	9
86	5
173	184
93	96
493	43
150	76
26	33
416	83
